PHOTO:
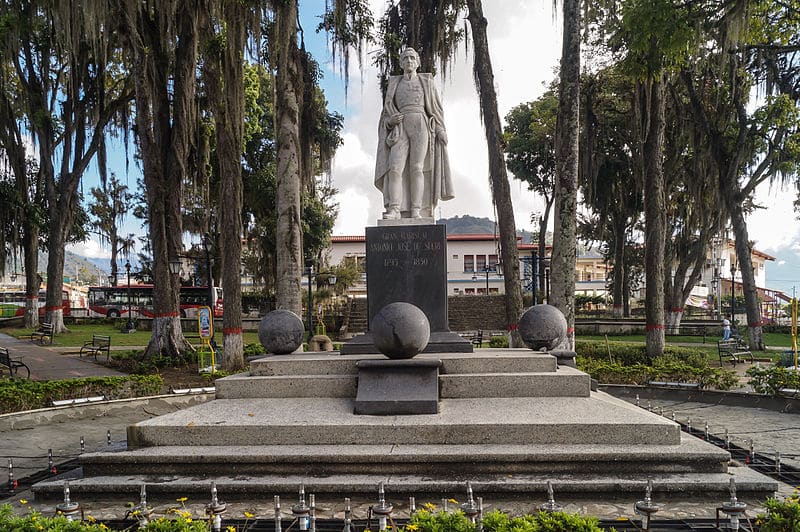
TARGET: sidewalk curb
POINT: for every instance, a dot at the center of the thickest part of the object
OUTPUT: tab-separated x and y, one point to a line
58	414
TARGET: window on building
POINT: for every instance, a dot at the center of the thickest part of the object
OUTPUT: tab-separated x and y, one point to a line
480	263
481	291
455	256
469	263
494	290
469	291
493	263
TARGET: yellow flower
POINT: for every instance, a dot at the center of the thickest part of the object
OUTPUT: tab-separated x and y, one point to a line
182	499
452	501
90	518
188	519
185	514
412	527
33	517
230	529
249	515
23	501
429	506
103	527
40	527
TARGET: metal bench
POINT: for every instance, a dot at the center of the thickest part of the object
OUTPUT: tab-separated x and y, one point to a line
732	349
99	343
477	339
13	365
44	332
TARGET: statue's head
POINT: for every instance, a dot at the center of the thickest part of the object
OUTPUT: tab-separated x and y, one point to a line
409	59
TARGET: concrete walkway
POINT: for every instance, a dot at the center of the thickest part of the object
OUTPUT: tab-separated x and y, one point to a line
47	363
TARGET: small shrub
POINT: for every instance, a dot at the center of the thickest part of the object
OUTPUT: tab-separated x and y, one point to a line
34	521
498	341
770	380
636	353
781	516
497	521
254	350
663	370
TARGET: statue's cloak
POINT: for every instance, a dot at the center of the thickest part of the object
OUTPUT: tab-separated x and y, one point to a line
438	183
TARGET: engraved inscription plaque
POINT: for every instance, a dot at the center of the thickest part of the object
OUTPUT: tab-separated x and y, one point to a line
408	263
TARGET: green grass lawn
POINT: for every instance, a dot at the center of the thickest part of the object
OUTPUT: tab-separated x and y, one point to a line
770	339
78	334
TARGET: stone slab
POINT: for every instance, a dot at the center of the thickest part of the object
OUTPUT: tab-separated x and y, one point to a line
597	419
397	387
406	221
567	382
709	486
245	386
482	361
690	455
408	263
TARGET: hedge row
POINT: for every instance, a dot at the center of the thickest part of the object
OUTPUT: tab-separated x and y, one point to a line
19	394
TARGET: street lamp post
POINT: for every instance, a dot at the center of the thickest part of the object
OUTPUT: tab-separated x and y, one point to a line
733	293
547	279
206	245
534	273
129	324
310	315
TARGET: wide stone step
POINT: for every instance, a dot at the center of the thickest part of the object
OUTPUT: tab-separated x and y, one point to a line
690	456
674	486
567	382
564	383
499	360
598	419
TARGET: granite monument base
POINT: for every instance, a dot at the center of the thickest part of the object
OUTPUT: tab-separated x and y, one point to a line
408	263
397	387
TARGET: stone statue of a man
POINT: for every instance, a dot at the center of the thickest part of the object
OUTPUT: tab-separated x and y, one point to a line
411	168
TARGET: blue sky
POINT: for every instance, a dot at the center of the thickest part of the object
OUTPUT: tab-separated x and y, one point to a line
524	41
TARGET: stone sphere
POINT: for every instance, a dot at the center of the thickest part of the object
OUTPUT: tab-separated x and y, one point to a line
543	327
400	330
281	332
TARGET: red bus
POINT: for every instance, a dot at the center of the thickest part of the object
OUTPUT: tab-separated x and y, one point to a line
112	301
12	304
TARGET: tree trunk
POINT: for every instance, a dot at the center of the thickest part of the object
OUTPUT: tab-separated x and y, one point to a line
229	121
618	273
651	122
289	244
743	255
566	196
501	193
32	279
165	123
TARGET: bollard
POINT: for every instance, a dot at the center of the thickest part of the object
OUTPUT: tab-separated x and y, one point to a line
733	508
108	437
646	508
479	528
83	445
778	463
412	506
312	512
300	510
69	509
383	509
277	502
215	509
141	512
470	508
727	440
551	505
348	516
706	431
12	484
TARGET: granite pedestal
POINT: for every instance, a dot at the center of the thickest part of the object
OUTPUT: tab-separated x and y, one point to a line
397	387
409	263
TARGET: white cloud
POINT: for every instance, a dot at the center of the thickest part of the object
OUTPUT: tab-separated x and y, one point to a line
91	248
525	43
774	227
